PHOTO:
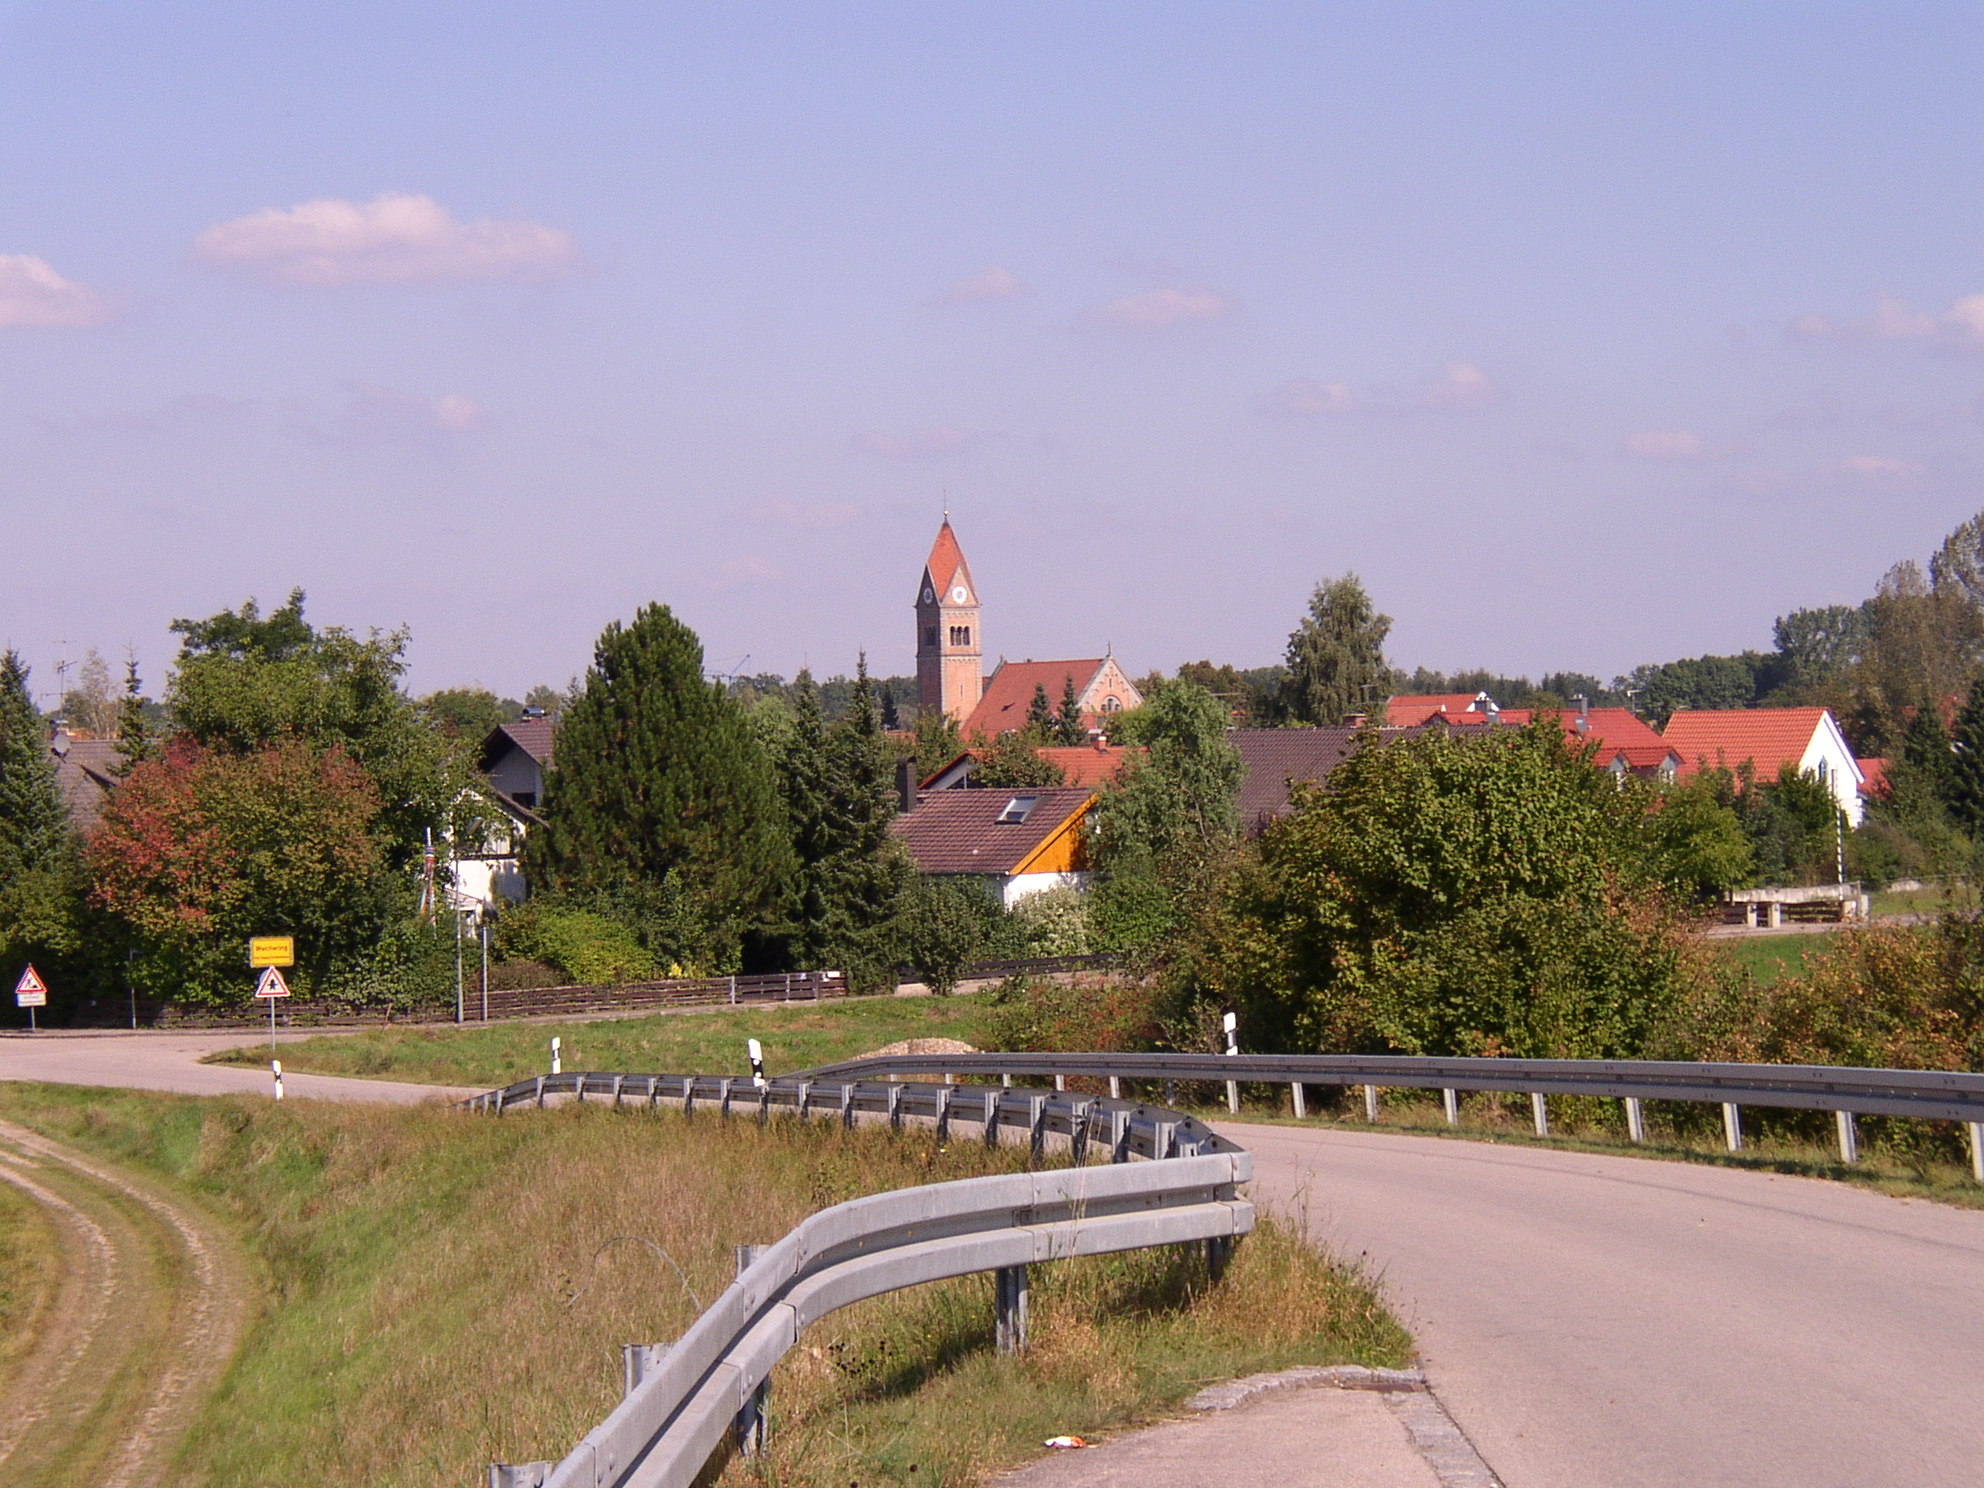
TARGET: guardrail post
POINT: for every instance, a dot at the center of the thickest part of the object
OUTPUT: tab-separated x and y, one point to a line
618	1081
895	1107
1119	1136
1539	1112
1635	1119
805	1097
1732	1126
1006	1080
943	1114
1037	1124
1009	1294
688	1095
519	1474
1849	1136
764	1103
847	1107
1061	1083
1371	1103
751	1419
1078	1132
1115	1088
723	1097
1233	1097
1300	1098
540	1092
579	1088
637	1360
990	1120
1450	1103
1976	1149
1219	1254
1171	1094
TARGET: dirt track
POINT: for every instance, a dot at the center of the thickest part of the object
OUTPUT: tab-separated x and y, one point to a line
151	1299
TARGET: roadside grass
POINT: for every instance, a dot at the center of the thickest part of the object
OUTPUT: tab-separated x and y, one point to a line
28	1262
445	1290
1771	958
1897	1157
483	1055
1927	900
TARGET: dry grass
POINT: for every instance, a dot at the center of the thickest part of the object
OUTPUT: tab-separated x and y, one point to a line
447	1290
27	1276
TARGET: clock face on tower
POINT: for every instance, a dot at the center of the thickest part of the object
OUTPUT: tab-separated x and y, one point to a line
928	594
960	594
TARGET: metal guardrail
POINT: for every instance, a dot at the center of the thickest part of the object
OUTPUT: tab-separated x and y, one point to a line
681	1398
1935	1095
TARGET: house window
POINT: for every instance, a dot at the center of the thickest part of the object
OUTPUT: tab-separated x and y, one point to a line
1112	704
960	635
1017	809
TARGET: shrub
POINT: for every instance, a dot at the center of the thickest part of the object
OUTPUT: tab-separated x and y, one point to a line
1086	1014
1055	923
589	948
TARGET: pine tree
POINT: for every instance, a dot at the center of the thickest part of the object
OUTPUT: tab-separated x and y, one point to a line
1963	779
1068	727
663	802
134	735
1039	716
40	879
1336	656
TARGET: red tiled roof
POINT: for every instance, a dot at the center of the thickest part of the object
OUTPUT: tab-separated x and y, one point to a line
1009	692
1873	777
959	831
1616	731
946	558
1768	738
1085	764
1403	711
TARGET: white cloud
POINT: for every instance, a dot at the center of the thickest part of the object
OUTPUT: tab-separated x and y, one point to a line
33	294
1666	444
1463	385
996	283
1306	395
920	445
1897	320
1894	320
743	573
1156	308
810	516
387	413
1880	468
388	240
1966	318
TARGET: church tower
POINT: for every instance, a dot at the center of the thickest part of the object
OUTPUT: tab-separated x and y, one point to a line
949	671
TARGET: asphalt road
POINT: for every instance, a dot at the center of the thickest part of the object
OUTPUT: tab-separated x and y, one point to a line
171	1061
1611	1322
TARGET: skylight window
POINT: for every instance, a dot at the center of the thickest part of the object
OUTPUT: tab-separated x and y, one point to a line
1017	808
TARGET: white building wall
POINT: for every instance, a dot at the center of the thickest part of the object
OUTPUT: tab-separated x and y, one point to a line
1020	885
1829	758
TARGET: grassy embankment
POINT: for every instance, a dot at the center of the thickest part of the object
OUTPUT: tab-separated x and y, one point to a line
446	1290
27	1271
482	1055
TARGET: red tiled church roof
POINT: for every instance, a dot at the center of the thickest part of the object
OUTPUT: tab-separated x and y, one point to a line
946	558
1009	692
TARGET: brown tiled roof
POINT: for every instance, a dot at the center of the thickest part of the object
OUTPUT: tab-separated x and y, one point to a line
533	736
87	772
1009	692
1085	764
1276	758
959	831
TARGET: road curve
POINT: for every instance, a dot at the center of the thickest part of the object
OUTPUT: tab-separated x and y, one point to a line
1612	1322
171	1061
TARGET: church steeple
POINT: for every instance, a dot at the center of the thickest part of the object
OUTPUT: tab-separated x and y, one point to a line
949	660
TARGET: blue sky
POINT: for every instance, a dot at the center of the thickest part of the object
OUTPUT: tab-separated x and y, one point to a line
1586	336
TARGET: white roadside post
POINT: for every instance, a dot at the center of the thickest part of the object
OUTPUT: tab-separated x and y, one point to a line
1450	1102
757	1053
1732	1126
1233	1047
1635	1119
276	1065
1849	1136
557	1050
1540	1113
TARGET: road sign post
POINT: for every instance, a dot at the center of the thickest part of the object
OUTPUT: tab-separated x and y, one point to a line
271	986
31	992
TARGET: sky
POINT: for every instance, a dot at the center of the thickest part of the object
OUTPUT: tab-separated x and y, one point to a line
1586	335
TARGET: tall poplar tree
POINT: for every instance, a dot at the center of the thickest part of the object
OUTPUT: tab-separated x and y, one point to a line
1336	656
662	804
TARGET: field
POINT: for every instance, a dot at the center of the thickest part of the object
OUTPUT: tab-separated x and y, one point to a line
1770	958
438	1291
484	1055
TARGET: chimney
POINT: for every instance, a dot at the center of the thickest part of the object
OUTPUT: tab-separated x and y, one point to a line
906	784
1356	720
1583	705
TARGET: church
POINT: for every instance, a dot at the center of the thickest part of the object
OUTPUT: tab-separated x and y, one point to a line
950	660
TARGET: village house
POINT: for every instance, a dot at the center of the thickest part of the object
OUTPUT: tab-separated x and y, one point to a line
1017	842
1767	739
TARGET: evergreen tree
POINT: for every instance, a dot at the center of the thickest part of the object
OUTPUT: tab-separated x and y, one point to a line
663	803
1068	727
1336	656
1039	717
134	734
40	882
1963	778
938	741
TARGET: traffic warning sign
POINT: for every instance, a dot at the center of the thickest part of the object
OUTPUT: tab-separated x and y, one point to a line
272	984
30	991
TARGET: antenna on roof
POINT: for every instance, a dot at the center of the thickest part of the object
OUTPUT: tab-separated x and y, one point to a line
726	678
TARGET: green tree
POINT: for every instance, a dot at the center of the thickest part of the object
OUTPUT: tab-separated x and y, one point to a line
470	714
948	923
1039	717
40	910
1069	730
1336	656
937	741
135	739
1163	829
246	682
1013	762
663	802
1451	894
1699	845
1961	779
